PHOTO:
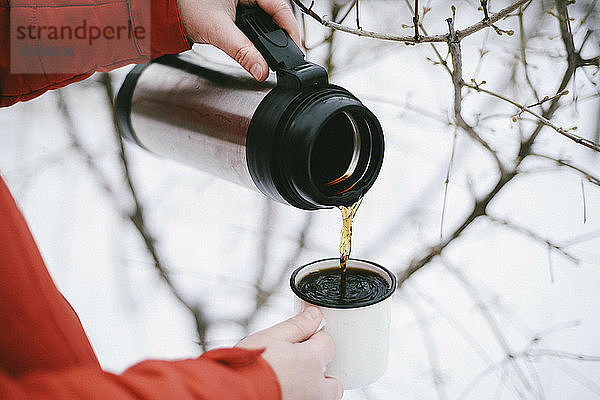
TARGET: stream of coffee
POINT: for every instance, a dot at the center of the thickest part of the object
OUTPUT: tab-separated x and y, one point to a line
348	214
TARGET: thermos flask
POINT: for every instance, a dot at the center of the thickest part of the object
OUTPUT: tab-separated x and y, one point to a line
301	141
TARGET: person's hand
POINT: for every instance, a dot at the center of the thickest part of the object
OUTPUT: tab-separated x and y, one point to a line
298	356
213	22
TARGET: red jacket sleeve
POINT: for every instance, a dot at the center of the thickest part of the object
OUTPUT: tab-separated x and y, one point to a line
47	44
225	374
45	354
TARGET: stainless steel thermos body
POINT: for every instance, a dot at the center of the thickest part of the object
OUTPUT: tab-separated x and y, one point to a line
312	148
194	115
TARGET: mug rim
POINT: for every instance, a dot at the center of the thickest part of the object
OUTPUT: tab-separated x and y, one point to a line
364	303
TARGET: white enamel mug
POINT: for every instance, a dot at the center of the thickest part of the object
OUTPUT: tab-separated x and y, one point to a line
360	333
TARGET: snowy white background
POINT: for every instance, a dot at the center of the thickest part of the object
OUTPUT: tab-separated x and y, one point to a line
211	233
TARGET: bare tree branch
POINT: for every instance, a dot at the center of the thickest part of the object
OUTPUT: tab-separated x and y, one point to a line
461	34
478	209
532	356
263	293
535	353
458	83
441	60
540	117
535	236
593	179
136	217
430	348
493	325
416	21
524	62
447	183
463	330
576	375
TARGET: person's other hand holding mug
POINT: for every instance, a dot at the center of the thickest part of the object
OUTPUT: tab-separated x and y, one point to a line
298	356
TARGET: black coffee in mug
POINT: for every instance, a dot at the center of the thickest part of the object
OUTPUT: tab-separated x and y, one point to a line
355	288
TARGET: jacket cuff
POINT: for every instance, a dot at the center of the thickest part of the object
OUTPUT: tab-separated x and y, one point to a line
252	367
159	18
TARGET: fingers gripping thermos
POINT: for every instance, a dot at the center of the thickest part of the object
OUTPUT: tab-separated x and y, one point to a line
302	141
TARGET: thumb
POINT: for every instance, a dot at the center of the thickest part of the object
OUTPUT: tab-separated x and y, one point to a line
298	328
233	42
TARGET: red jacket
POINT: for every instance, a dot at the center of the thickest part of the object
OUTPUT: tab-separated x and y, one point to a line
31	29
44	352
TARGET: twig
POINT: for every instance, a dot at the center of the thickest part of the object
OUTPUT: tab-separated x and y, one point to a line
461	34
538	337
264	250
408	106
446	183
581	238
486	16
541	118
345	15
550	265
546	98
137	218
88	158
577	376
595	180
263	294
533	371
492	323
583	201
531	355
478	209
458	83
441	60
505	12
482	53
524	54
535	236
430	348
416	21
501	385
400	222
559	354
329	65
464	331
567	34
